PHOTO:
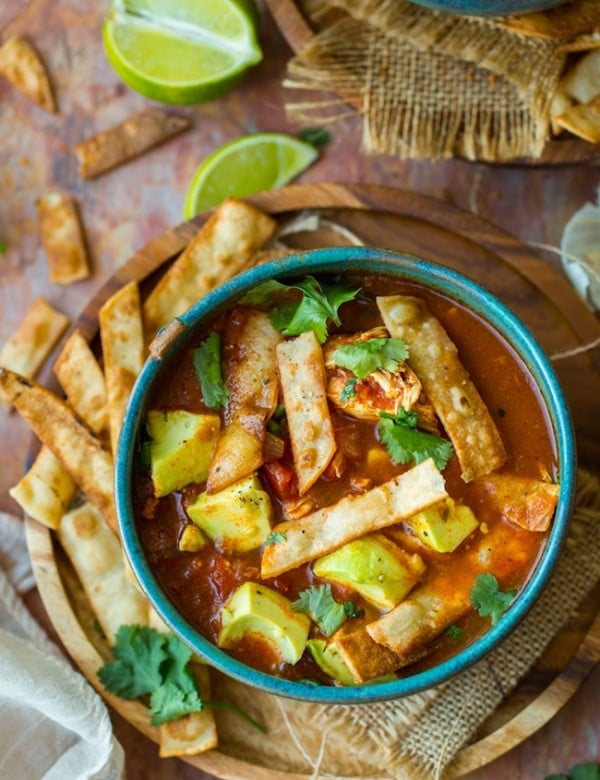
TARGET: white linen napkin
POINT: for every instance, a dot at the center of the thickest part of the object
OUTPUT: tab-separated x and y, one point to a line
53	725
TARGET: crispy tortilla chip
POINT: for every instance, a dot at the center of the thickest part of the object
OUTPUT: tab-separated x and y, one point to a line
27	349
95	553
45	492
21	65
582	120
433	357
364	657
561	102
130	139
122	339
62	238
525	501
581	83
583	42
53	422
303	383
249	342
328	528
82	379
194	733
560	23
224	245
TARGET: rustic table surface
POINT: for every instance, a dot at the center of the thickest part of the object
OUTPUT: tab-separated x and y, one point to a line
126	208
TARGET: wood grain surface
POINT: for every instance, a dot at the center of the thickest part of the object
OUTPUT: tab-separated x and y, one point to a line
408	222
564	150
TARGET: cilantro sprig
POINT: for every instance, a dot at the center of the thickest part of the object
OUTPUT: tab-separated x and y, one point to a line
348	390
488	599
406	444
365	357
278	424
275	537
318	602
207	362
590	770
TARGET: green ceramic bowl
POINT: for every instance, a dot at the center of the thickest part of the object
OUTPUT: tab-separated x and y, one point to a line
487	7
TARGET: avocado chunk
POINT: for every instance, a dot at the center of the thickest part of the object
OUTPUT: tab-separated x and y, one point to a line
444	526
181	448
191	539
237	519
375	567
256	610
329	660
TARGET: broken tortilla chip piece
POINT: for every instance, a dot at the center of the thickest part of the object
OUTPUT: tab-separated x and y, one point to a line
365	658
56	426
122	338
82	379
525	501
323	531
581	83
194	733
582	120
249	343
303	383
224	246
583	42
27	349
434	358
62	238
564	22
96	555
45	492
21	65
129	139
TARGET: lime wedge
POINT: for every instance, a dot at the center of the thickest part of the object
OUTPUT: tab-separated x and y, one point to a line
253	163
181	51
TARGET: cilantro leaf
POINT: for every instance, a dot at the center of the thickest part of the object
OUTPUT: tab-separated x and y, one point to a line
488	599
365	357
3	247
207	362
169	702
454	632
405	443
587	771
316	136
274	538
319	305
278	424
348	390
262	292
328	614
139	652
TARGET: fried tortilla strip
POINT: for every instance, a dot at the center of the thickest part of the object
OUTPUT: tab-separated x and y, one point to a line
581	83
525	501
224	245
45	492
583	42
558	24
434	359
20	64
194	733
364	657
303	383
27	349
332	526
62	237
251	376
55	425
82	379
122	337
582	120
129	139
95	553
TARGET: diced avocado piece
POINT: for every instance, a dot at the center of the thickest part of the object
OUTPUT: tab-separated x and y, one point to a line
444	526
260	611
328	658
181	448
375	567
192	539
237	519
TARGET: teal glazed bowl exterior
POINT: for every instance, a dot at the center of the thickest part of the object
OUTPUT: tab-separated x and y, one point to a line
488	7
371	261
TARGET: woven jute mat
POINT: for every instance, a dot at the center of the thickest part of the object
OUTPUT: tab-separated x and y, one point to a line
417	736
427	84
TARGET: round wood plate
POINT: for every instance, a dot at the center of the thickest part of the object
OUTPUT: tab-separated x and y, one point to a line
544	300
564	150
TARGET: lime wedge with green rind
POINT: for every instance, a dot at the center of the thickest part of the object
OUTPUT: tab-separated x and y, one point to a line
250	164
178	51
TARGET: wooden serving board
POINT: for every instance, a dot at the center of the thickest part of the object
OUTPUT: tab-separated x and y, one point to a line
414	223
564	150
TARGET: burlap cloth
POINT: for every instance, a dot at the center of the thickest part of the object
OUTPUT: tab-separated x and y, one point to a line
427	84
417	737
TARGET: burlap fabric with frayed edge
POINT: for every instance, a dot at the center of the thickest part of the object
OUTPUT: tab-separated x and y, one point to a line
427	84
418	736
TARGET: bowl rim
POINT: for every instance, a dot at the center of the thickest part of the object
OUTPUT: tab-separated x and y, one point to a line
488	7
335	260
